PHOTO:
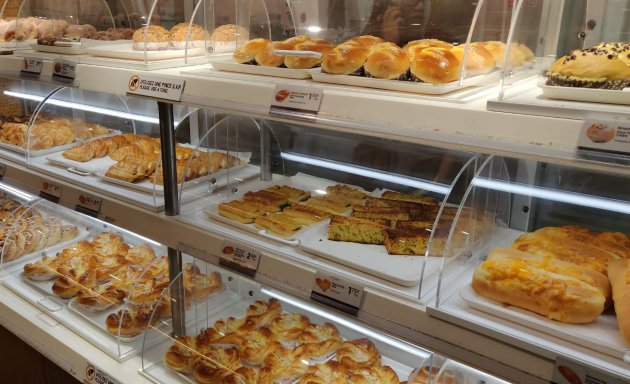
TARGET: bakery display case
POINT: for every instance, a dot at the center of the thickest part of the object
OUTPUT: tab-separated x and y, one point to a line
248	333
548	252
158	36
581	64
98	140
311	193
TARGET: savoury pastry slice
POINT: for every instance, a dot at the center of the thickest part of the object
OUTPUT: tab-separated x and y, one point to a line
306	214
240	211
295	195
273	200
278	224
334	204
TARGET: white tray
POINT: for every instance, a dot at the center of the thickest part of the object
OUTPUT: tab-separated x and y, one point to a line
227	64
126	51
91	167
300	180
369	258
601	335
405	86
592	95
75	49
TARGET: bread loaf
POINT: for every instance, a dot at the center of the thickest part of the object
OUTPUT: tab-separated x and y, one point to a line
555	296
387	61
435	66
619	275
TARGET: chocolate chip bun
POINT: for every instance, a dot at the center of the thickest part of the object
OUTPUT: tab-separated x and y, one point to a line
597	67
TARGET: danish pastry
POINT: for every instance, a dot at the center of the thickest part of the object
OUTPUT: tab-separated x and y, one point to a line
287	327
331	372
358	353
428	375
263	312
43	269
374	375
182	355
217	364
257	345
282	365
75	274
318	341
243	375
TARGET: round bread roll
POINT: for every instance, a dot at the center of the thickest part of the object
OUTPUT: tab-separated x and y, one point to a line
246	53
590	68
527	53
151	38
478	59
497	49
426	43
435	66
315	45
267	58
386	61
229	33
345	59
179	36
367	40
293	41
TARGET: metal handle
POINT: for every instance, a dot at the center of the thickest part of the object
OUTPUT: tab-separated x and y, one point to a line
310	54
80	173
291	242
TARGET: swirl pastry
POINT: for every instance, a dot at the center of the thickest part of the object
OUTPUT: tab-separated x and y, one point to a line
134	320
386	61
345	59
331	372
198	286
217	364
75	274
257	345
374	375
318	341
182	355
287	327
358	353
109	267
225	333
43	269
283	365
243	375
263	312
114	292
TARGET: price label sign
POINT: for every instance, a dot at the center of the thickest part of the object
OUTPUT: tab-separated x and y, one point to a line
338	293
159	87
296	101
64	71
32	67
89	205
239	257
569	372
605	136
94	375
50	191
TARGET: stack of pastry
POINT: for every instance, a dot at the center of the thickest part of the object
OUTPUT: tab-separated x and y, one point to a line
403	223
138	157
261	52
26	230
428	60
280	209
106	272
47	133
562	273
605	66
268	345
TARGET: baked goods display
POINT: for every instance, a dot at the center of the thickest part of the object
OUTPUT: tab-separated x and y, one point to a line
106	272
47	132
402	223
249	349
605	66
227	37
180	36
283	210
261	52
26	230
563	273
138	158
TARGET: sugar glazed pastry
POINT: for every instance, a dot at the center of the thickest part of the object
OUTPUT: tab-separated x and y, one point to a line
186	35
596	67
151	38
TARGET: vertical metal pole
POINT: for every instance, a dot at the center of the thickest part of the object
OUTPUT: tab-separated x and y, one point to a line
171	207
265	153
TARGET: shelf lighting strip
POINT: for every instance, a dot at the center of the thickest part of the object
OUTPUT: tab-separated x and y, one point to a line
559	196
382	176
86	108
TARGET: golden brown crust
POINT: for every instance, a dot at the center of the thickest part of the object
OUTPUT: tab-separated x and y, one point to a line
427	43
367	40
374	375
345	59
288	326
435	66
555	296
314	45
357	230
331	372
179	32
294	195
262	312
591	65
240	211
359	353
479	60
282	365
247	52
182	355
586	239
386	61
619	274
497	49
278	224
215	365
389	213
305	214
331	203
318	341
257	345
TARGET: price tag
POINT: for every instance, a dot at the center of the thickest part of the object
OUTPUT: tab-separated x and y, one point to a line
159	87
64	71
94	375
50	191
32	67
605	136
89	205
239	257
3	169
569	372
296	102
338	293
